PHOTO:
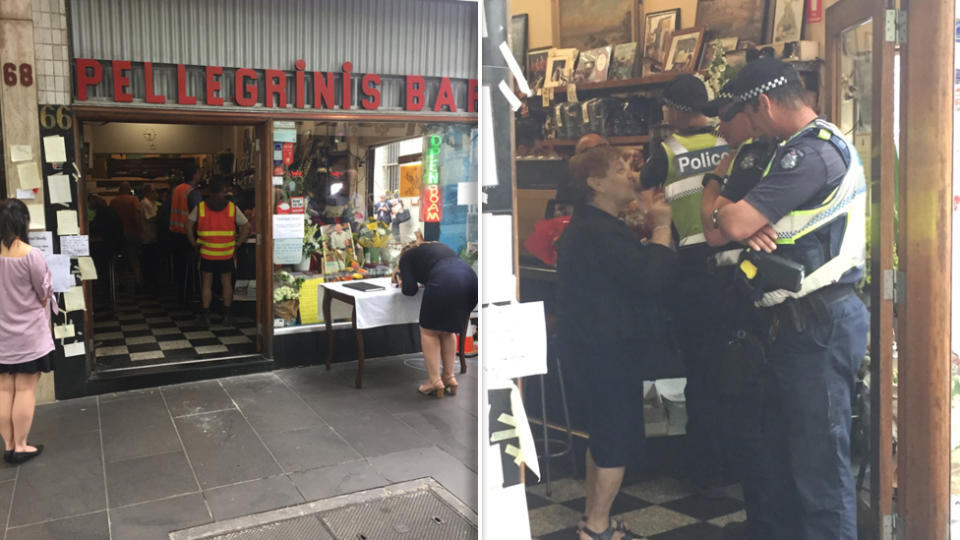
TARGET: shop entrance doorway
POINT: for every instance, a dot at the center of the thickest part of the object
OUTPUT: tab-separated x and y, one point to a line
146	312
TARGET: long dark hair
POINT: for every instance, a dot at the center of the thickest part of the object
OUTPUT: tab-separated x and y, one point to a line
14	221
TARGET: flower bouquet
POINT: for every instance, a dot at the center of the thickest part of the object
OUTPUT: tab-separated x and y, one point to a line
312	243
286	296
373	235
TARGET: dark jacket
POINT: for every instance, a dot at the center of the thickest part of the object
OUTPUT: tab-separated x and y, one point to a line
610	283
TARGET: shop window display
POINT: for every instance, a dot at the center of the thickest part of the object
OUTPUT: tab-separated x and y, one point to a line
354	213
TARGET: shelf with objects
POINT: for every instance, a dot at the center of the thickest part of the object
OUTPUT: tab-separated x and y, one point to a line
348	196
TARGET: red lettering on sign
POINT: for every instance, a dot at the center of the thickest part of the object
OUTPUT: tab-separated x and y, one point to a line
182	97
84	80
369	89
301	86
445	96
472	95
276	85
213	85
120	81
246	95
323	91
432	209
150	97
287	153
416	88
345	98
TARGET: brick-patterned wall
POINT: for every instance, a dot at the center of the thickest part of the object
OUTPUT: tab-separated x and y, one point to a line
53	65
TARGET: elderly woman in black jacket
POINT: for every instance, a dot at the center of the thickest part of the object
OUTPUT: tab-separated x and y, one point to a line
610	320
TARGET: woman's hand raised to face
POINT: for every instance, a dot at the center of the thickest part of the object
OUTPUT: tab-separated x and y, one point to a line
659	210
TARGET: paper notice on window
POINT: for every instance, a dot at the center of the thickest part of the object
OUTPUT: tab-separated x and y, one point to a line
29	175
514	340
38	218
42	240
466	193
67	222
287	250
74	349
26	194
288	226
73	300
75	246
59	185
54	149
59	266
20	152
310	301
63	331
88	270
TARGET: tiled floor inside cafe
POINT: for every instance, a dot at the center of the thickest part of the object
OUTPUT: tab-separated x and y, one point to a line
139	464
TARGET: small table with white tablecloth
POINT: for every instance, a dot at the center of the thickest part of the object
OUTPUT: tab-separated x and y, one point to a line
372	309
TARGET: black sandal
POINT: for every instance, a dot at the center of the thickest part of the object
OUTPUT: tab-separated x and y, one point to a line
613	529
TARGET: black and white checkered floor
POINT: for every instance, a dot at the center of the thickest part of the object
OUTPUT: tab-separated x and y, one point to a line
149	329
657	509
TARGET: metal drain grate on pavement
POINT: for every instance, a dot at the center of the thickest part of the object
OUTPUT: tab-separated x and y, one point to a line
419	509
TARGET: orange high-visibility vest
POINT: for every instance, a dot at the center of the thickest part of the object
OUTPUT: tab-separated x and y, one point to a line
180	208
215	232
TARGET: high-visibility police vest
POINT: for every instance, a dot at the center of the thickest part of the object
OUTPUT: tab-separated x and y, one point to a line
806	236
215	232
689	158
180	208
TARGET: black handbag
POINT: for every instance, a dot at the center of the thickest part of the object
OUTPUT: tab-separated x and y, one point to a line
403	216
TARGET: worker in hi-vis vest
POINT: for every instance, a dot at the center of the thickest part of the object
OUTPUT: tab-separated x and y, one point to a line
677	166
184	198
216	222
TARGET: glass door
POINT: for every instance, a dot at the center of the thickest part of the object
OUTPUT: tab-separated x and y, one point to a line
859	94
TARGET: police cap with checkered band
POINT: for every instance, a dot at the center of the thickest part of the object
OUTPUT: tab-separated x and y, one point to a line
724	97
685	93
762	76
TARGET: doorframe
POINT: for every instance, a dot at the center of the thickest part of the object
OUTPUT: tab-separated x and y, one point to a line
840	16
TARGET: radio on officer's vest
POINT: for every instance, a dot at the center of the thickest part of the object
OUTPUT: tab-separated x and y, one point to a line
768	272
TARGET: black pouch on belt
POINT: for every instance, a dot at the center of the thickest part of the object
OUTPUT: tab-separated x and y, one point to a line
742	361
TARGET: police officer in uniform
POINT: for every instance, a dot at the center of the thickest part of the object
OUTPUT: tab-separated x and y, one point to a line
808	208
678	166
740	360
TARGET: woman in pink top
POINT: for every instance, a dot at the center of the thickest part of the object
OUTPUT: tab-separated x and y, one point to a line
27	292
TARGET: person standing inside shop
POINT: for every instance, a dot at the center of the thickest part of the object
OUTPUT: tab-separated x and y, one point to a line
610	320
677	167
215	222
450	291
809	208
127	206
27	291
148	218
184	199
739	363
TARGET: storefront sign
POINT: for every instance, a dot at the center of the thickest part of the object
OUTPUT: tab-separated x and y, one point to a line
246	92
287	153
432	209
297	205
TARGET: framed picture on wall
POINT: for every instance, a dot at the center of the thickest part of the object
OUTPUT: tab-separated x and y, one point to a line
709	50
537	67
657	28
560	67
518	39
624	61
597	23
741	18
787	21
684	50
593	65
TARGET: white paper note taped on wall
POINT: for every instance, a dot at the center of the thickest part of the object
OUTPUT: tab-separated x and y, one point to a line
38	219
59	186
29	175
74	349
59	266
26	194
489	154
75	245
514	101
518	343
88	270
466	193
54	149
499	281
515	69
67	222
73	300
42	240
288	226
63	331
20	152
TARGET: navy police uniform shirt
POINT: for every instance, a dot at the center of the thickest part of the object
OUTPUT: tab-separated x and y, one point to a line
803	173
752	159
